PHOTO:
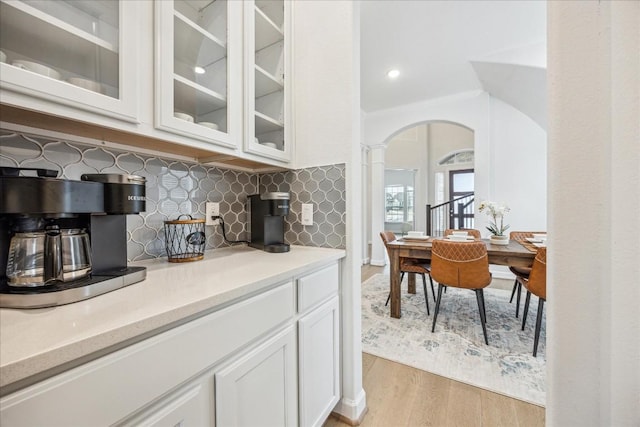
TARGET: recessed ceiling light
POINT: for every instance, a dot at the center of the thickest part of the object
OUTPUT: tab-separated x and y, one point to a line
393	74
199	70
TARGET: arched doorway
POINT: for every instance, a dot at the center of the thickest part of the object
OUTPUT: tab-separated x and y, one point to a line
411	170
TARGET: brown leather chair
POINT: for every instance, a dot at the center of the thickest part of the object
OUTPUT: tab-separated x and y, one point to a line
536	284
472	232
461	265
520	272
410	265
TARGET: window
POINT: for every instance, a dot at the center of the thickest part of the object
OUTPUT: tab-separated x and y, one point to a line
399	203
399	191
465	156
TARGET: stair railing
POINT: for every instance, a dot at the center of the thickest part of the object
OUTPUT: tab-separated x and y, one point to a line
456	213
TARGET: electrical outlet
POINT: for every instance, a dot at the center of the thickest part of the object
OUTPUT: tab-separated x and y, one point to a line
307	214
212	209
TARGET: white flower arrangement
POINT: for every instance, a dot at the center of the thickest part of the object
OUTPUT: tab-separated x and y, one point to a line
496	212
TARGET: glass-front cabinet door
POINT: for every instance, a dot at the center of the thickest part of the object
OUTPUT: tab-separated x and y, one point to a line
80	53
268	78
198	69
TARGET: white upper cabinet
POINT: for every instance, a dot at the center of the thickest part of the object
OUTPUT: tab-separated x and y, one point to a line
198	69
268	78
79	53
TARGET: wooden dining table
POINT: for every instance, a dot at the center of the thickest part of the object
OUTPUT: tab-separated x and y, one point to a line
513	254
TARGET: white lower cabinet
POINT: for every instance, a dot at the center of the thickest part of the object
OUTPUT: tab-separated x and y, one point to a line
319	362
189	406
259	389
243	365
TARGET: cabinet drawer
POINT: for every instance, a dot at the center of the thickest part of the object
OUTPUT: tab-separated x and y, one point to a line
317	287
133	377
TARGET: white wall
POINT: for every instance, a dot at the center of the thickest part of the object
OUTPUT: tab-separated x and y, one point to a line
593	327
328	131
518	167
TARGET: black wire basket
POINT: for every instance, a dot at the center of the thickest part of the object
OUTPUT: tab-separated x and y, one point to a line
185	239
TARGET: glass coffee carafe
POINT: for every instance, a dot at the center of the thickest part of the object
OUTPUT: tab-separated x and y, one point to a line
41	258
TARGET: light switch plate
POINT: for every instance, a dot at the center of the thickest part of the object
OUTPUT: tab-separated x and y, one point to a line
307	214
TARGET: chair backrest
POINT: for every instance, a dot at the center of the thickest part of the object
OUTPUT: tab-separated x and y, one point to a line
387	236
537	283
521	235
472	232
460	264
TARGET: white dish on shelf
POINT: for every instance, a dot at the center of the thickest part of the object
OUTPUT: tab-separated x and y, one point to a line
183	116
539	236
34	67
269	144
415	233
209	125
3	56
86	84
460	233
540	244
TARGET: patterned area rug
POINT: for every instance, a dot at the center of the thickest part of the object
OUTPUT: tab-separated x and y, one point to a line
456	349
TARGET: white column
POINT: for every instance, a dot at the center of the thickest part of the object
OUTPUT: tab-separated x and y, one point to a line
378	254
364	150
593	334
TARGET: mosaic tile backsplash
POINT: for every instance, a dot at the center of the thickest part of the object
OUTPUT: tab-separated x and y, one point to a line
179	187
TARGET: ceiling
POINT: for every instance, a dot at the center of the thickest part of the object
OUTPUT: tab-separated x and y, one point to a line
432	43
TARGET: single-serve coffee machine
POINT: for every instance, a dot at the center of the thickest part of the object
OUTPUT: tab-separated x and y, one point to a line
266	214
63	241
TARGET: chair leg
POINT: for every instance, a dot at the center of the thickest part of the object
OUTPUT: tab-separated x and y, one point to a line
483	315
518	298
433	291
426	294
435	313
538	326
526	309
513	291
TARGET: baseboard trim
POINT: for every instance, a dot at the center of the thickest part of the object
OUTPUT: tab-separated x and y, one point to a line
365	261
351	411
378	262
349	421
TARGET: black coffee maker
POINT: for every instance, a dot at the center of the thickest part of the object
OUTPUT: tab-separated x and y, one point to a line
63	241
266	214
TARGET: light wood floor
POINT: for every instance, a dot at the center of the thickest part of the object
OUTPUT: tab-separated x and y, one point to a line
402	396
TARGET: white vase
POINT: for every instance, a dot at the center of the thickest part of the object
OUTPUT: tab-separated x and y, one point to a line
499	240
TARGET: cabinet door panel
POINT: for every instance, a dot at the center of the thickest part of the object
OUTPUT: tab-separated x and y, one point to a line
259	389
268	72
198	69
191	405
319	344
81	54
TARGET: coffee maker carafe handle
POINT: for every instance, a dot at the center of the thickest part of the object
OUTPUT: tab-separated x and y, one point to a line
52	254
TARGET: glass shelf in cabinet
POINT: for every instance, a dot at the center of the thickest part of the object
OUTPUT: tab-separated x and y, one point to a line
22	18
194	99
267	33
274	10
194	46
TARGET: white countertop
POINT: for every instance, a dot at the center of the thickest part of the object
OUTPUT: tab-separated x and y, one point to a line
34	341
